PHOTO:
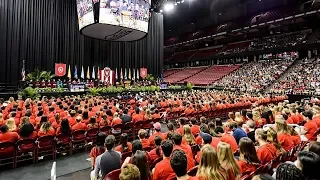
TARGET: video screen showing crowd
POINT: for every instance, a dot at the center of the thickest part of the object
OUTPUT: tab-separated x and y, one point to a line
85	12
132	14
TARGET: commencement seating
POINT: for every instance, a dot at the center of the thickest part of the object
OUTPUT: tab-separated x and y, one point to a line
183	74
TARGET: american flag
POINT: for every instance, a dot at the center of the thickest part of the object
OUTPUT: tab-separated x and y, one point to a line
23	71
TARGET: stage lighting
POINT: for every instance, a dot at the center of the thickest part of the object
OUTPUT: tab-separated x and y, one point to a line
161	10
182	1
168	7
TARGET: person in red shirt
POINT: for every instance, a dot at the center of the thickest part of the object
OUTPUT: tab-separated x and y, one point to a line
116	120
156	152
227	138
266	151
72	118
195	129
156	114
181	124
316	116
85	117
79	125
179	164
46	130
7	136
157	128
294	136
142	134
295	118
163	170
137	117
93	123
283	134
124	145
177	139
189	109
227	161
27	131
64	128
310	127
98	149
248	159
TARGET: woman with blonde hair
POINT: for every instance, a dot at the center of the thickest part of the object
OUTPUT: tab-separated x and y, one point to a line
238	118
227	161
46	130
272	138
148	115
209	167
2	122
11	125
23	121
187	135
283	133
256	117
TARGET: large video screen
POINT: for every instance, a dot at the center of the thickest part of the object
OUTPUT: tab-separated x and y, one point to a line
133	14
85	13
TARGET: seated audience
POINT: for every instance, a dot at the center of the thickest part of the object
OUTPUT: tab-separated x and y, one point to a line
27	131
64	128
266	151
157	128
156	152
7	136
93	123
310	127
79	125
98	149
177	139
139	159
226	137
46	130
283	134
142	134
187	135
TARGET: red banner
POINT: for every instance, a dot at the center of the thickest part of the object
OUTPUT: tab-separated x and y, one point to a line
143	72
61	69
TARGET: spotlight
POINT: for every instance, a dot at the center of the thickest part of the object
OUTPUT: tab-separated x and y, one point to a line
161	10
168	7
175	4
182	1
178	2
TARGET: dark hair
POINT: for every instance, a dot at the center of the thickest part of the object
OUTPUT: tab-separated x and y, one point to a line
166	147
43	120
249	115
289	172
136	145
101	138
179	163
308	114
109	113
177	138
170	126
315	147
109	142
248	150
310	163
219	129
92	120
182	121
124	142
139	159
157	142
26	130
85	115
65	127
137	110
204	128
193	121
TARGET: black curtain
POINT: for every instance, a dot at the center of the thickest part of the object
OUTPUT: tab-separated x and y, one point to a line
45	32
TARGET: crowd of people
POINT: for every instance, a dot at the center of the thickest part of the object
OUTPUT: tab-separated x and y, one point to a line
214	150
303	78
254	76
280	41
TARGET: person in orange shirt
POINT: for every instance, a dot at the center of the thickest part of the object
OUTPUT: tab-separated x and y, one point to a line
195	129
85	117
266	151
248	159
79	125
64	128
142	137
46	130
124	145
137	117
51	112
163	170
181	124
27	131
7	136
156	114
93	123
293	114
116	120
72	118
189	109
225	137
177	139
156	152
310	127
157	128
57	121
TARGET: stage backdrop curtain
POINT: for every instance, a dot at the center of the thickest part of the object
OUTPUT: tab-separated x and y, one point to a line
45	32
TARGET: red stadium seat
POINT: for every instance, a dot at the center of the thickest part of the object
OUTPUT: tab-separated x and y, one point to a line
91	136
46	146
155	162
7	153
64	143
125	155
113	175
128	128
25	150
78	139
193	171
105	129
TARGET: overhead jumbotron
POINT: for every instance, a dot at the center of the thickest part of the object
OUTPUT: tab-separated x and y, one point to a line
114	20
